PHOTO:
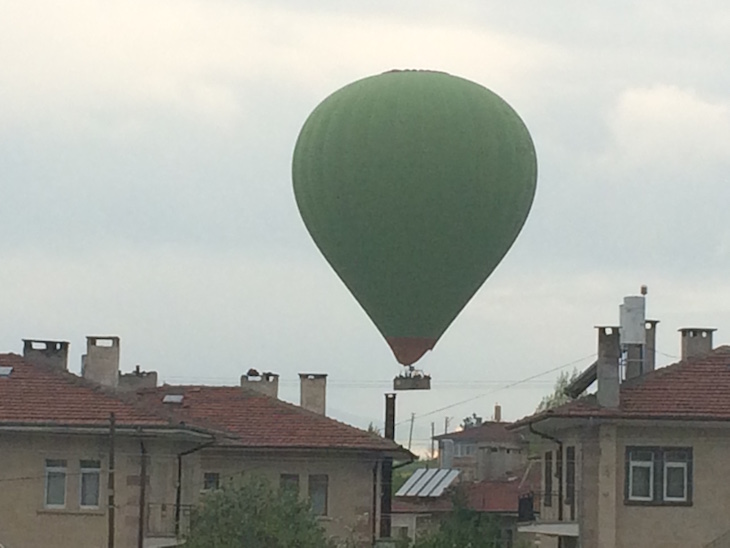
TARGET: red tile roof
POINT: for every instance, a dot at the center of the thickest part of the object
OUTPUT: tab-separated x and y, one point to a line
496	496
39	395
500	496
694	389
34	395
495	432
252	419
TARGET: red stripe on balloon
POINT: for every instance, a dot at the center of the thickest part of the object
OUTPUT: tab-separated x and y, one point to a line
409	350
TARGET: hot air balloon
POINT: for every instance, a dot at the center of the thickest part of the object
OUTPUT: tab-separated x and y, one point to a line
414	185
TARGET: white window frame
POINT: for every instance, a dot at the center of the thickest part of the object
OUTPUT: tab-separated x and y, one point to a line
641	464
683	466
87	470
48	471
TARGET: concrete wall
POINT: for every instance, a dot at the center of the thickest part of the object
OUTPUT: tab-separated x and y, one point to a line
679	527
26	523
350	483
607	522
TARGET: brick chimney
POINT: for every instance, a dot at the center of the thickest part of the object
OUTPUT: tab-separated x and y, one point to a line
607	370
100	364
313	392
265	383
136	380
696	341
46	353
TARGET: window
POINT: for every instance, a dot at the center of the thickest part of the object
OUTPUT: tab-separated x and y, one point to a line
570	479
548	494
658	475
641	475
676	476
55	483
289	483
464	449
90	474
211	481
318	494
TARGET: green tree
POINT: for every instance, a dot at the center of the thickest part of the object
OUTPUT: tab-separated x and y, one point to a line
471	422
372	429
558	396
464	528
251	514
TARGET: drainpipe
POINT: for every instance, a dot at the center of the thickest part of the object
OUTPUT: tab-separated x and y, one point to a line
375	501
559	466
142	493
178	489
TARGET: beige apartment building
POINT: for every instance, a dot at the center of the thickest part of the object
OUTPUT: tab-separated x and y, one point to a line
171	444
643	461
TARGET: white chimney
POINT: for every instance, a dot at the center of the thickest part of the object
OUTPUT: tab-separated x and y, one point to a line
265	383
100	364
313	392
696	341
46	353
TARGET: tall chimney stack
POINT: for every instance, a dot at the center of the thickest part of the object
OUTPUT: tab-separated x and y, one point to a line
497	413
607	370
696	341
46	353
100	364
313	392
265	383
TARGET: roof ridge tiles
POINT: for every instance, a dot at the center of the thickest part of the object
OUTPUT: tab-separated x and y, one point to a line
675	391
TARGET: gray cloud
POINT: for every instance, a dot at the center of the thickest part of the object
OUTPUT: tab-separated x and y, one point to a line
145	153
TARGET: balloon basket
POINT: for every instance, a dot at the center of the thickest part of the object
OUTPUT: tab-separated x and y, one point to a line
412	380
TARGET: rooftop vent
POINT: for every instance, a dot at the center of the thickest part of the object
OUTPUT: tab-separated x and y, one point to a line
5	370
172	398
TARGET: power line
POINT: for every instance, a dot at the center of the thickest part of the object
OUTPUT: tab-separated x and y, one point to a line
505	387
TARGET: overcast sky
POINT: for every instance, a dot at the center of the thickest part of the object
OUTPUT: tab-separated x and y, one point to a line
145	151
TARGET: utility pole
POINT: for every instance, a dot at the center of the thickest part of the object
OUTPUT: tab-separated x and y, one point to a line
110	485
410	433
447	420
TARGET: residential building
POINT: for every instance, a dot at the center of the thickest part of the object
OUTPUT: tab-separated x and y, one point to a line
418	511
486	451
641	461
170	445
486	463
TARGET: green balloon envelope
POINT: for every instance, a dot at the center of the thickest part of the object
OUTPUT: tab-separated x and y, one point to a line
414	185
